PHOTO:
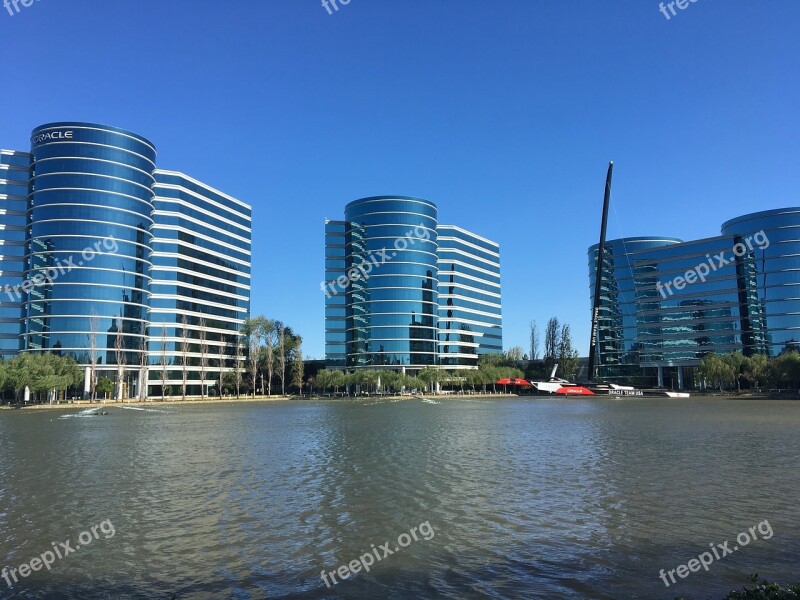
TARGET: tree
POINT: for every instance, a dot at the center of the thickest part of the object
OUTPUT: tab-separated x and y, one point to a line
297	364
338	379
119	353
41	374
515	354
567	356
20	373
323	379
478	377
237	371
390	381
184	353
552	343
495	360
221	364
94	328
202	333
430	376
66	373
534	341
267	329
756	368
164	361
787	368
250	329
282	356
104	386
366	379
327	379
734	363
143	374
718	371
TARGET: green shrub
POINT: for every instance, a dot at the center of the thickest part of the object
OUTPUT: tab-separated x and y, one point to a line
763	590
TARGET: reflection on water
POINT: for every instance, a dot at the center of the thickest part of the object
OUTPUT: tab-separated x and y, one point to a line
529	498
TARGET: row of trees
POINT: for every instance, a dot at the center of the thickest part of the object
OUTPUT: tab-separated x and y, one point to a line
558	349
42	374
268	351
274	352
368	381
491	369
727	371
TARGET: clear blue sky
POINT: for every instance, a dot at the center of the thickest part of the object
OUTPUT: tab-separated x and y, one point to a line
505	113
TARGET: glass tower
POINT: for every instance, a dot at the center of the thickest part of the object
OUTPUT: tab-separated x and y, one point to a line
384	289
105	257
91	204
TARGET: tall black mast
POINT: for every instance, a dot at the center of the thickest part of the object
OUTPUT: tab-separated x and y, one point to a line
599	275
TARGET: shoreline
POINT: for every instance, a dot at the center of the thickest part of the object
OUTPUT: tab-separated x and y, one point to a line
83	404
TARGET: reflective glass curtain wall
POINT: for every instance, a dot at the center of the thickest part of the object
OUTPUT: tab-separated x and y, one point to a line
748	301
768	279
88	242
403	292
14	174
391	312
470	316
618	319
200	283
77	224
335	317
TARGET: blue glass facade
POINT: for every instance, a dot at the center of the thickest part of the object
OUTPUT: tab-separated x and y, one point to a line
618	316
666	303
470	315
336	233
109	254
382	287
14	174
90	214
200	280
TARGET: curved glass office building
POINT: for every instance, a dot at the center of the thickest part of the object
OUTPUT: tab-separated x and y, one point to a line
619	320
768	278
141	272
390	293
90	207
671	302
383	285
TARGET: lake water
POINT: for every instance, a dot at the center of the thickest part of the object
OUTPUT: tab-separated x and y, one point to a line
525	498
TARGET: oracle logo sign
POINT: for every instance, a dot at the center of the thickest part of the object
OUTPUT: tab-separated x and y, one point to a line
51	136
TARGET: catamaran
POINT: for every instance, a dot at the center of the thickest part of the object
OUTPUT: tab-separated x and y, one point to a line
608	388
562	387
